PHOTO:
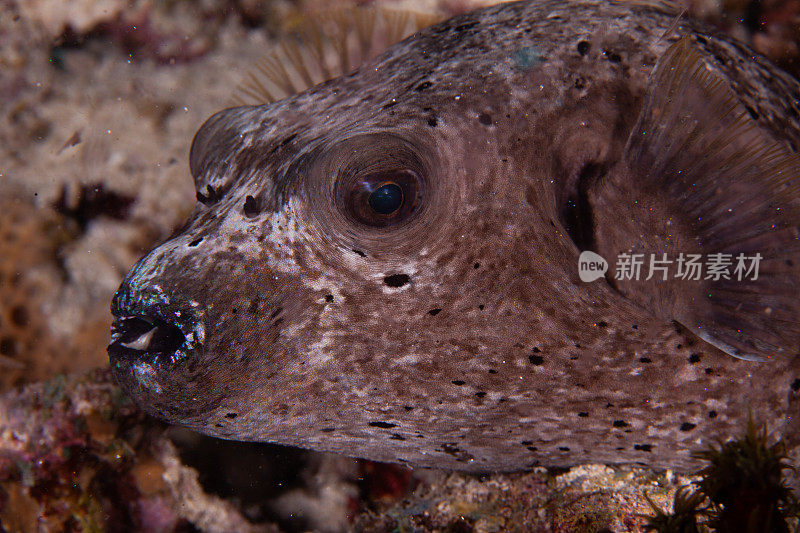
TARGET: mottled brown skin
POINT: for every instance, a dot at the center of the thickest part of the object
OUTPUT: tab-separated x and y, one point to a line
493	355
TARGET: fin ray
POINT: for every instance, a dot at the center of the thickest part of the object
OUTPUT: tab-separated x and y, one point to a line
324	46
696	149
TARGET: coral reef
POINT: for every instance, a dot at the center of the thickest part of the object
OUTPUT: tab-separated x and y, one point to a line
31	286
741	489
76	455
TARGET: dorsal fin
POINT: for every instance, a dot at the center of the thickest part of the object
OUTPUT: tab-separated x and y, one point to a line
708	179
327	45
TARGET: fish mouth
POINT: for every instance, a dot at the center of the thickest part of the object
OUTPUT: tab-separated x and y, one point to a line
148	328
145	337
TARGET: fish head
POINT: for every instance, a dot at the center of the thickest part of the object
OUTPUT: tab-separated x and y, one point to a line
392	255
344	258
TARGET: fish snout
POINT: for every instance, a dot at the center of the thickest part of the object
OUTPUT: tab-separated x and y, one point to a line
149	328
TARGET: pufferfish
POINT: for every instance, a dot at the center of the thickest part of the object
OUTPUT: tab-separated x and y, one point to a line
387	265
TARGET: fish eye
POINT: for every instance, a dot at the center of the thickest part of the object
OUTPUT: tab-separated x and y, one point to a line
384	198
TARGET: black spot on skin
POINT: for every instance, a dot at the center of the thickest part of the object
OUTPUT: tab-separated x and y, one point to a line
407	407
583	414
694	358
536	359
432	122
481	307
466	26
288	139
492	371
383	425
796	384
533	448
396	280
328	430
424	85
584	47
196	242
526	442
609	405
602	324
231	415
612	56
396	436
251	207
643	447
712	414
452	448
688	426
620	424
329	298
645	360
209	198
457	382
485	119
751	112
476	266
563	448
536	349
634	326
360	253
434	312
480	394
709	371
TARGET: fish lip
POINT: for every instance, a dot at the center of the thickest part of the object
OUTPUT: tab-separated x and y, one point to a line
145	337
150	328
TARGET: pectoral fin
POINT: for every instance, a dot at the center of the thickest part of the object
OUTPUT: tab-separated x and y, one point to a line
700	176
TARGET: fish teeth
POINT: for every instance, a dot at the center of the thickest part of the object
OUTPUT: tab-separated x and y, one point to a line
142	342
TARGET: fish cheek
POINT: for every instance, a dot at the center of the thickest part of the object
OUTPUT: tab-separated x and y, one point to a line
246	304
177	393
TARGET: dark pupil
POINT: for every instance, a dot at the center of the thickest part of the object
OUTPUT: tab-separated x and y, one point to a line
386	199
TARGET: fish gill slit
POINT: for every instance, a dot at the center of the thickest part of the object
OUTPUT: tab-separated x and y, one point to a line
576	213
